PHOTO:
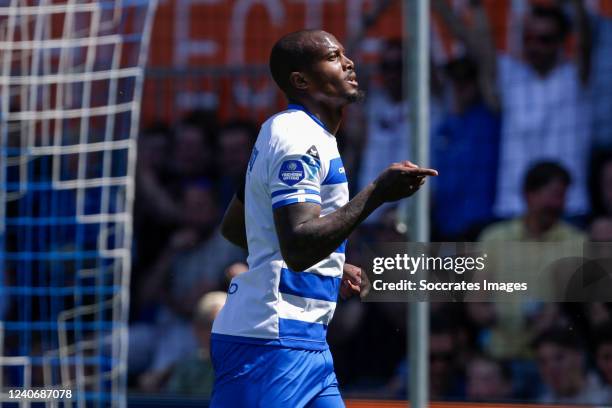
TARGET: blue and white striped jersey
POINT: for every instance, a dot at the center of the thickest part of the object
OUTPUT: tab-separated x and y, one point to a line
295	159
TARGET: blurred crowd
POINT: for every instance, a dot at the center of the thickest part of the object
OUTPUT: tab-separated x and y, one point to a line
522	144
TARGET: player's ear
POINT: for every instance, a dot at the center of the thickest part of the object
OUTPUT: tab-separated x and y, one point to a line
298	81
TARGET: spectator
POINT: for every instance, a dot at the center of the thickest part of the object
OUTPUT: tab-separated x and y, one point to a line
487	380
192	155
153	144
195	375
387	122
603	356
207	120
192	264
561	361
387	116
444	376
445	379
544	191
601	230
471	130
156	211
236	139
542	97
196	258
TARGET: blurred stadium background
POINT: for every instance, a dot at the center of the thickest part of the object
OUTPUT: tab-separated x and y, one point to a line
126	124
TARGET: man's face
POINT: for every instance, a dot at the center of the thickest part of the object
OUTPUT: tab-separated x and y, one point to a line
548	202
235	151
542	42
190	151
200	208
331	77
391	70
485	381
561	368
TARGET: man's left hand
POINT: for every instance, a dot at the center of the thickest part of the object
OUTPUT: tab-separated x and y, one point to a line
354	282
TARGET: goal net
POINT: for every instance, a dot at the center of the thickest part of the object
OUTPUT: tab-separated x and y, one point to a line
70	88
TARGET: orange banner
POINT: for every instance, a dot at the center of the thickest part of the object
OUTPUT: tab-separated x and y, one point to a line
204	46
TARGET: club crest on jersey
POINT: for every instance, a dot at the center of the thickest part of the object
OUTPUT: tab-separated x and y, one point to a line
313	162
291	172
313	152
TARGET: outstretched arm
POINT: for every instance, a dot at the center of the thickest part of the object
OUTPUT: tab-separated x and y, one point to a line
478	41
306	238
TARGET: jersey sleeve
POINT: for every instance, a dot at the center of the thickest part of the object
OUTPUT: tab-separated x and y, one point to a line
295	176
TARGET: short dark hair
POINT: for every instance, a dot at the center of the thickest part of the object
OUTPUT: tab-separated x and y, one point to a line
291	53
461	69
561	337
543	173
157	129
205	122
553	13
391	44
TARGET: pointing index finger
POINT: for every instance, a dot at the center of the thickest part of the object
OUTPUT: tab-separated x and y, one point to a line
418	171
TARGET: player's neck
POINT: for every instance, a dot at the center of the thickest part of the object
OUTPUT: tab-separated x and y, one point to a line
329	116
